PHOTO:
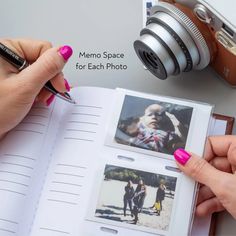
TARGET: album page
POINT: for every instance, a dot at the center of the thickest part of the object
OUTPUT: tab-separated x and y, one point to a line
112	168
61	208
24	156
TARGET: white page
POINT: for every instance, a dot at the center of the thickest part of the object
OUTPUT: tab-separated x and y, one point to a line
69	184
61	207
21	170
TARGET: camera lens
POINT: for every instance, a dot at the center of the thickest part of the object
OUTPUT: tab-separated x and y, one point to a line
154	56
151	59
171	43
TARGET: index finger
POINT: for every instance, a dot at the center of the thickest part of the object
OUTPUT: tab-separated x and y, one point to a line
29	49
219	146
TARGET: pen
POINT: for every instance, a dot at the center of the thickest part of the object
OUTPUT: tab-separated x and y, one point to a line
20	63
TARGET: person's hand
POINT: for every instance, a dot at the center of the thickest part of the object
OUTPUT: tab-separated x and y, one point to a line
180	129
218	176
173	119
19	90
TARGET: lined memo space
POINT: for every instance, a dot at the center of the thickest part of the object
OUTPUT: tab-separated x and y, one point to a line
83	126
63	198
83	121
18	160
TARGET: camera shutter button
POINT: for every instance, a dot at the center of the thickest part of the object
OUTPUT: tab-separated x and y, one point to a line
202	13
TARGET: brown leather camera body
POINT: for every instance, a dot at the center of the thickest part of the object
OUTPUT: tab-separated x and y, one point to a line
222	60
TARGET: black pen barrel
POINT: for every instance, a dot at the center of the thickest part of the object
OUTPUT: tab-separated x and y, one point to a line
17	61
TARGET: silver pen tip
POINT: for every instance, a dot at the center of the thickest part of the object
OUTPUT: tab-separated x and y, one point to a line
66	96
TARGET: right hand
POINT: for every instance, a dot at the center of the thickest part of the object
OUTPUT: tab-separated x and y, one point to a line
218	177
18	90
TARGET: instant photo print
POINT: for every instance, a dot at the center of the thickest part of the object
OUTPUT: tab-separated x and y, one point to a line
156	125
140	199
153	125
133	199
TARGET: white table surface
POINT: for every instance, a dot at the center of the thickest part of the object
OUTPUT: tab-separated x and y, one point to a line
110	25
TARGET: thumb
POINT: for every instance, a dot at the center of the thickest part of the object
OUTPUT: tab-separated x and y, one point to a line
198	169
48	65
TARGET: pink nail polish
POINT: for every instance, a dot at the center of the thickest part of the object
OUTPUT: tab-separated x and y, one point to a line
181	156
50	99
67	85
66	52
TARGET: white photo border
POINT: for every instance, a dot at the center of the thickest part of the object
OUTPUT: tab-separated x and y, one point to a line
150	169
111	132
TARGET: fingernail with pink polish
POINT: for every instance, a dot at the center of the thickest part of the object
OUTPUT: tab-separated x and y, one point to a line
50	99
67	85
181	156
66	52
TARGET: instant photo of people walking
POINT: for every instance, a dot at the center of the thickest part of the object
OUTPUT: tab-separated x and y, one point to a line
136	198
153	125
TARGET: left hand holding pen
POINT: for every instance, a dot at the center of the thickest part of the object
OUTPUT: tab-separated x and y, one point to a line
19	90
217	171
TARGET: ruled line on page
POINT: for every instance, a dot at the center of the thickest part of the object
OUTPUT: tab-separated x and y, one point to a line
85	114
68	174
90	106
54	230
15	173
13	182
16	164
11	191
21	156
38	115
69	165
82	122
81	130
79	139
7	230
60	201
9	221
72	184
29	131
69	193
32	123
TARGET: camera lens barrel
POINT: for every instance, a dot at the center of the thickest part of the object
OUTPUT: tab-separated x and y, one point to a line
171	43
160	64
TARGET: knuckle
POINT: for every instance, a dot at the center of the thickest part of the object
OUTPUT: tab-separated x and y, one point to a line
215	206
47	44
51	64
44	45
232	152
197	167
224	187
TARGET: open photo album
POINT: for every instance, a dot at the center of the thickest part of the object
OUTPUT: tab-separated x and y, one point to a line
103	166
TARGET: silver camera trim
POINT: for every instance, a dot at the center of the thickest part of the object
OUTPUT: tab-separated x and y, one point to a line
191	28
